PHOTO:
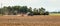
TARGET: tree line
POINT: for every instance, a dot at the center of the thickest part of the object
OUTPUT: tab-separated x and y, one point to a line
14	10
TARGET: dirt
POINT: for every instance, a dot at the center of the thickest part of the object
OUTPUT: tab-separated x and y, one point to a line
39	20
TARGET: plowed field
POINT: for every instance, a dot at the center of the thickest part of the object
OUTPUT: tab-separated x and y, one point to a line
30	20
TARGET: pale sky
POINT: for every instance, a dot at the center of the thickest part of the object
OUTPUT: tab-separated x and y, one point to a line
49	5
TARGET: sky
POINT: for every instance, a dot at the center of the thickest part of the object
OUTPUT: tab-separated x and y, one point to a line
49	5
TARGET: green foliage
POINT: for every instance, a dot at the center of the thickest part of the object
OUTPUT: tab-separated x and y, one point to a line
35	11
15	9
46	13
29	9
0	11
22	9
41	10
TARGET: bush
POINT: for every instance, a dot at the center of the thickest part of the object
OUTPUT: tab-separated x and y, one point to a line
46	13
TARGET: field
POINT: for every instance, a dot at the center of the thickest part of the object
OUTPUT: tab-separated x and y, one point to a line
55	14
39	20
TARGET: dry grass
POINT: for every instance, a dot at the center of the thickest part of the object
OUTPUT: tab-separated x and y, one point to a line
55	14
30	20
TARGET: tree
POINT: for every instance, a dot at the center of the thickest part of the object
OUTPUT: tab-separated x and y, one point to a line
15	8
41	10
0	11
30	9
9	8
46	13
5	10
35	11
23	9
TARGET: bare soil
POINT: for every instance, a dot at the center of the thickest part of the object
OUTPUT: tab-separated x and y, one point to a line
39	20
